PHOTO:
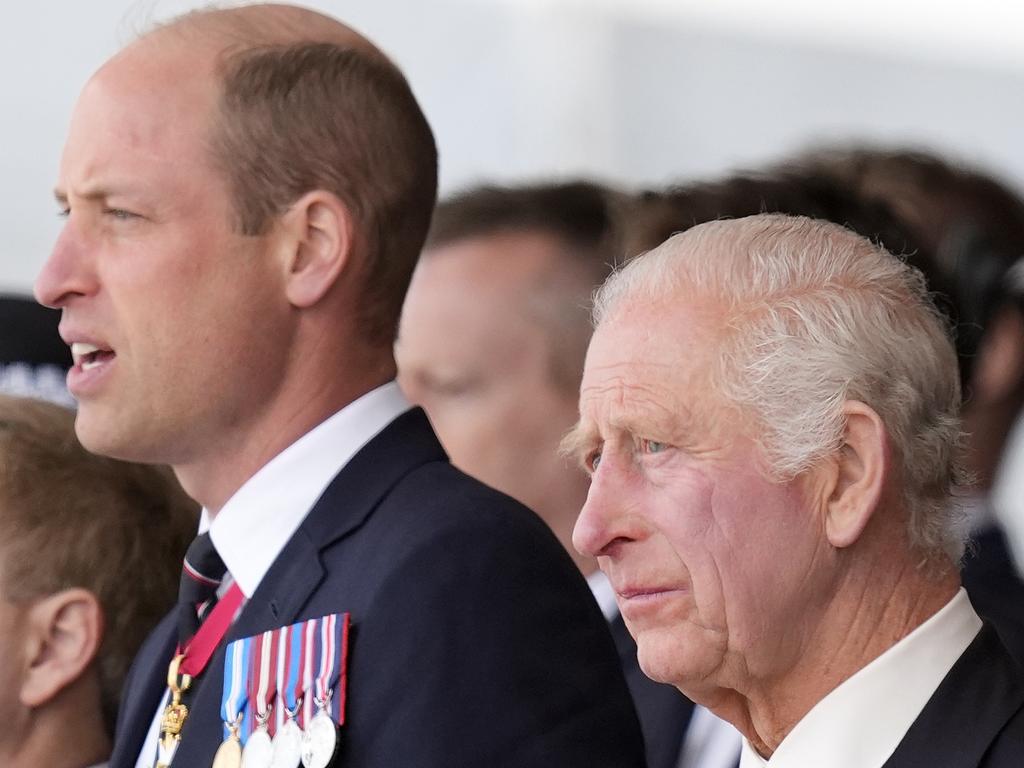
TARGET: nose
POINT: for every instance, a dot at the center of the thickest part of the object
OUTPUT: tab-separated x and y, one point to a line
603	522
67	272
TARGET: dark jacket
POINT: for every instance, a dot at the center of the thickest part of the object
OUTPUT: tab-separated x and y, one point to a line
474	639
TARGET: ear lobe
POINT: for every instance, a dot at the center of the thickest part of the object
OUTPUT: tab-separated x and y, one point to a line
319	241
66	630
860	473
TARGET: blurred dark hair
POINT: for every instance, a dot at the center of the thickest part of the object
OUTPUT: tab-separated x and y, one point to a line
584	218
970	222
582	214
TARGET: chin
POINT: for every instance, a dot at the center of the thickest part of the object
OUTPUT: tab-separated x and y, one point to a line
678	658
103	435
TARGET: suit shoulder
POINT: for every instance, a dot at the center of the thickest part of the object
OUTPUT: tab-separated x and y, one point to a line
450	502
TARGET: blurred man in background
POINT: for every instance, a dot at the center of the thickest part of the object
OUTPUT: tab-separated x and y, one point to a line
90	555
492	340
769	414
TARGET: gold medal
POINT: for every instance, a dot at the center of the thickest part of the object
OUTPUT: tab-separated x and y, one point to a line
229	754
175	713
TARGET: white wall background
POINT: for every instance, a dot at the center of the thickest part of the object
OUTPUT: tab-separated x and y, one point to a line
633	91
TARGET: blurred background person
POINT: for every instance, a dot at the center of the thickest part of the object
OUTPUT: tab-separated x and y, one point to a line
90	557
33	358
493	335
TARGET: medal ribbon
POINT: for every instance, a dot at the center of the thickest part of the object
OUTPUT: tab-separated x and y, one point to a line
309	633
332	651
341	625
199	650
233	702
262	683
287	672
296	663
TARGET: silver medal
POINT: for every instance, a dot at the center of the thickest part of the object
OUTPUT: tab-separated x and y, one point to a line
258	750
319	741
287	746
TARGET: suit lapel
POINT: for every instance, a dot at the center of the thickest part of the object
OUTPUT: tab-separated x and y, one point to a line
142	695
292	580
663	711
406	443
968	710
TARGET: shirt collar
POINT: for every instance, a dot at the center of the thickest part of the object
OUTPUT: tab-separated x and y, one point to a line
254	525
862	721
603	594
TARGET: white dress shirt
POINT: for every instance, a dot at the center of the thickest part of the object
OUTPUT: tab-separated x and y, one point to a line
861	722
256	523
709	742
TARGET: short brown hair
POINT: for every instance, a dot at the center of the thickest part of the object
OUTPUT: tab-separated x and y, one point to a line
318	115
69	518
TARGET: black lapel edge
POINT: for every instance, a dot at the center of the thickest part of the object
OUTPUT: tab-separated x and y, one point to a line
968	710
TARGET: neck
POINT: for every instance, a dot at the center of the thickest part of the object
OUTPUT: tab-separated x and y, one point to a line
304	401
865	619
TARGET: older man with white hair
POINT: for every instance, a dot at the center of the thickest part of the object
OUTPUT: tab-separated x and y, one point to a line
769	414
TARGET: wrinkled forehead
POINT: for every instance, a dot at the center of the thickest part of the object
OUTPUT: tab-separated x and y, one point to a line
660	354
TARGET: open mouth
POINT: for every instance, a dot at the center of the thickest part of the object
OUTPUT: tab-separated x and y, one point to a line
89	356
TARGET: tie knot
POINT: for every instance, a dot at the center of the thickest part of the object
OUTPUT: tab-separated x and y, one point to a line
202	571
202	563
201	575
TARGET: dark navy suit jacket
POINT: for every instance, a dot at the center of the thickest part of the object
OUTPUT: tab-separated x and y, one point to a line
975	719
995	588
474	640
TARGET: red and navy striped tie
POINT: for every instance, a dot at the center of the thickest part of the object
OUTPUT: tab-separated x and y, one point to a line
201	575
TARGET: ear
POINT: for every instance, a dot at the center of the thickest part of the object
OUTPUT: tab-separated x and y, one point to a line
859	475
317	238
66	629
999	367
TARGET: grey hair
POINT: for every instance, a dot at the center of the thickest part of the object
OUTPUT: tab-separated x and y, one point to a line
815	315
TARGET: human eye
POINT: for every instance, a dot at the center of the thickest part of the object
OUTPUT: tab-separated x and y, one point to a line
652	446
120	214
592	460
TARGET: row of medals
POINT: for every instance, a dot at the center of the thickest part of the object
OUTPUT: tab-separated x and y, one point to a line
315	747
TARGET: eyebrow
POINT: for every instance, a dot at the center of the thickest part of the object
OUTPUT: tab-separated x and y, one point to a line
577	442
96	193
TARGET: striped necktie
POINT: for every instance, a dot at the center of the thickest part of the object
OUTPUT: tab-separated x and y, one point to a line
201	575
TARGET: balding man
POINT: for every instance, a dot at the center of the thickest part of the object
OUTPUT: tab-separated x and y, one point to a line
769	413
246	194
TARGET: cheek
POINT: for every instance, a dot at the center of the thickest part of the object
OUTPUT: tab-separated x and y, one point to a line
768	548
698	533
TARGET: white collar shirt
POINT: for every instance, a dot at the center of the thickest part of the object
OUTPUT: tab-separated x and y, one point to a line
709	742
860	723
255	524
